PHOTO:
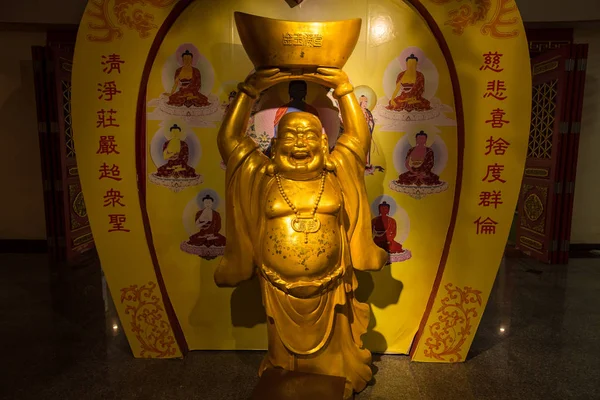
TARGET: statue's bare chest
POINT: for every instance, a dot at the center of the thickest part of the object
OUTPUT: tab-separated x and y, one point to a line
304	196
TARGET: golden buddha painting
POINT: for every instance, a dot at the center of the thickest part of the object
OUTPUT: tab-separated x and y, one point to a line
410	83
419	160
175	151
204	225
188	79
390	226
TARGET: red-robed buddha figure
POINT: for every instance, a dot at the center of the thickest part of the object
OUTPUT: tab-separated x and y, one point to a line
419	162
187	85
208	242
410	86
209	223
176	152
384	230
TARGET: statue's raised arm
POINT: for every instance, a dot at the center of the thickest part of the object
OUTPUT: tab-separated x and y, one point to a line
352	115
233	129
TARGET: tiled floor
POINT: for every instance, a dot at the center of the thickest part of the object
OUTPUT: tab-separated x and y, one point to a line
539	339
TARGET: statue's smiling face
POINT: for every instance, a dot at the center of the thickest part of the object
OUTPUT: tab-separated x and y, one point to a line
300	145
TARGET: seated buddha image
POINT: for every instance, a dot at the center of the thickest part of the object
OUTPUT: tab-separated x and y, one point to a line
207	242
385	230
411	82
419	179
410	86
186	85
187	79
171	154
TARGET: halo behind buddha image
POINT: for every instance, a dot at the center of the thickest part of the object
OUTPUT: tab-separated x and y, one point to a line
420	158
411	82
175	151
390	226
203	223
187	79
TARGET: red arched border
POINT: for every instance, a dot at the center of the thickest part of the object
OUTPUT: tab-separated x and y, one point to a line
140	137
460	124
140	160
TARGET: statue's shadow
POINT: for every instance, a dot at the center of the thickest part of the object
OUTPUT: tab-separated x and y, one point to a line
247	309
379	289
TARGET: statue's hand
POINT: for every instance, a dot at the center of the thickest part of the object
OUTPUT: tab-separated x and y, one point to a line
330	77
263	79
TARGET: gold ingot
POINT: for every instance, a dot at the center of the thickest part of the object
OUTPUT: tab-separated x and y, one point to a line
297	45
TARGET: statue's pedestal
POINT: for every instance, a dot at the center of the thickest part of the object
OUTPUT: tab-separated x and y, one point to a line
279	384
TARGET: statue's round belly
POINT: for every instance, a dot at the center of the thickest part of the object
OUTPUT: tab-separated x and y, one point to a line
286	253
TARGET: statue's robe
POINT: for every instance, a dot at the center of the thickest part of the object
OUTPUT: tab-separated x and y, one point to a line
321	334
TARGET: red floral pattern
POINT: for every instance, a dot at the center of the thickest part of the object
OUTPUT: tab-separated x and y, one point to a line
149	321
454	325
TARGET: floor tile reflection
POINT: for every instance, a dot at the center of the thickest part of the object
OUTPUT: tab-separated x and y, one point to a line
539	339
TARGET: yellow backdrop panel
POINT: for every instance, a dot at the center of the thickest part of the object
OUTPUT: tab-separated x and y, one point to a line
403	45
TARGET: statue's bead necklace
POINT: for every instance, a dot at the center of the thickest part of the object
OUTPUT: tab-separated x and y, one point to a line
300	224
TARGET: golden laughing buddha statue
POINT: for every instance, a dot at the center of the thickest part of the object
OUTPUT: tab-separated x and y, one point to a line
301	219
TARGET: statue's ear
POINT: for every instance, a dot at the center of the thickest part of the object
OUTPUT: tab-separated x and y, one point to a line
325	141
272	168
273	146
329	165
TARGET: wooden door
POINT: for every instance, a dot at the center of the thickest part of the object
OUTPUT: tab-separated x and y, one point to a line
69	229
542	40
77	232
48	148
560	177
572	152
538	211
